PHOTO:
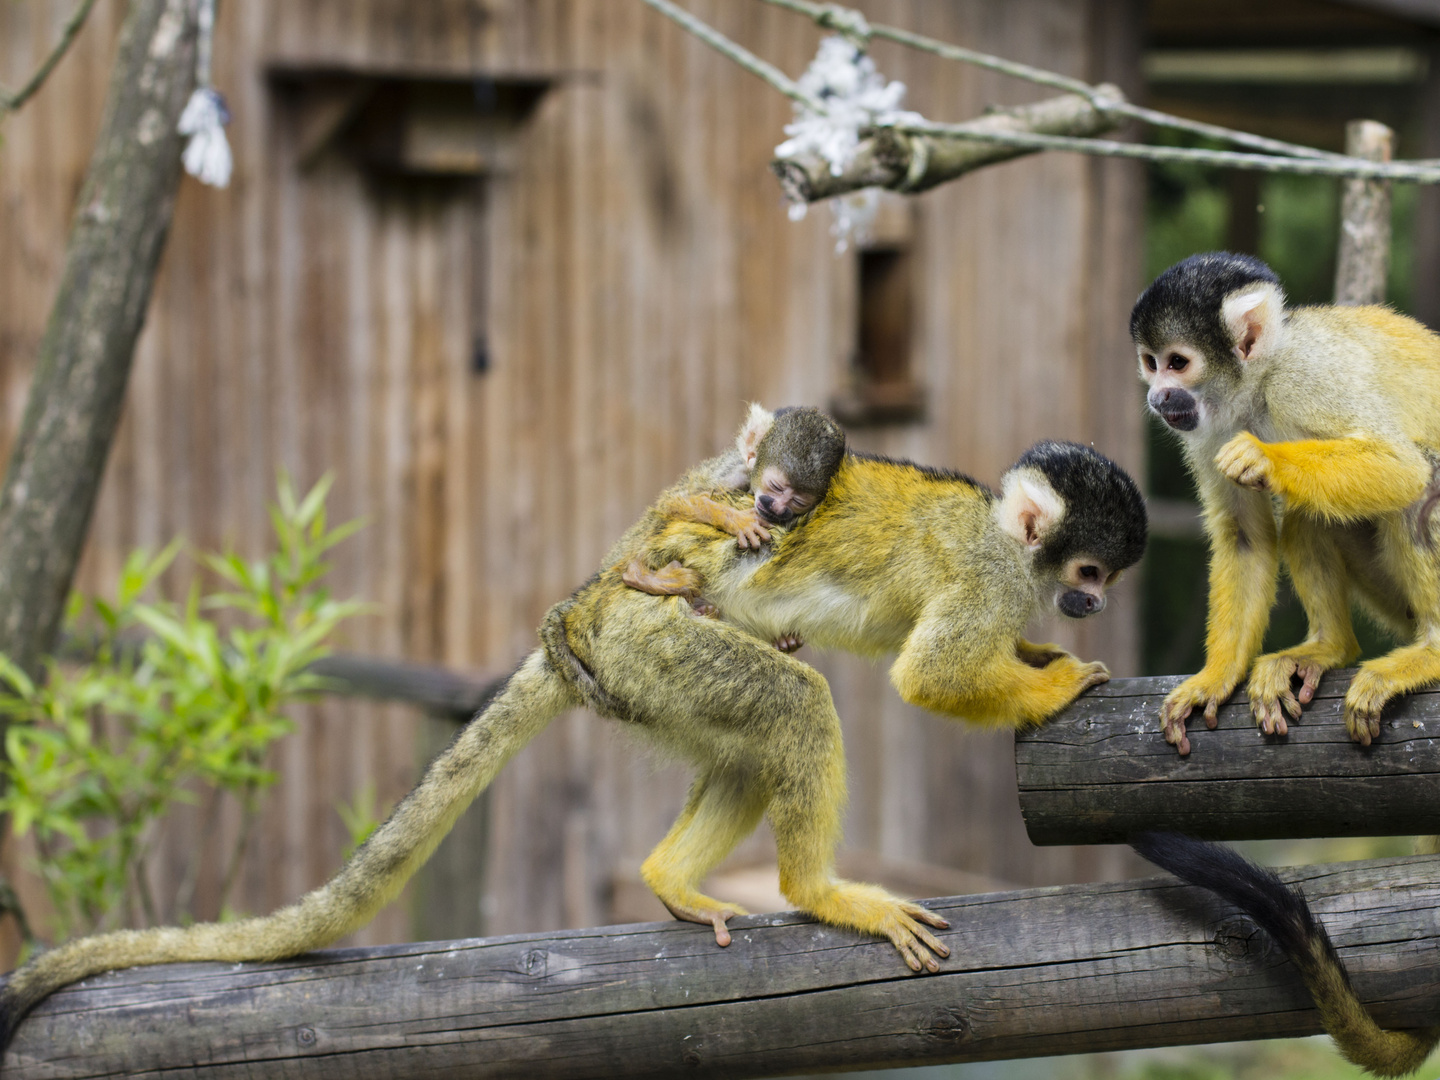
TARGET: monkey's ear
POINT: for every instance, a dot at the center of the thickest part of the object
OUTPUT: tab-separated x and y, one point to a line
1254	316
757	423
1029	507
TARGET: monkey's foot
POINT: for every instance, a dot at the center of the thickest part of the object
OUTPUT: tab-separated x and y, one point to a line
1364	701
701	909
1204	690
788	643
872	910
673	579
704	607
1272	695
1243	460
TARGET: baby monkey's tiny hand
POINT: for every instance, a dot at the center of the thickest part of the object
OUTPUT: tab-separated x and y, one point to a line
749	533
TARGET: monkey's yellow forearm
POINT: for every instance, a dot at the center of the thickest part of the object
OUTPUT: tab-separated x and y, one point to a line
1244	569
1345	479
706	510
1004	691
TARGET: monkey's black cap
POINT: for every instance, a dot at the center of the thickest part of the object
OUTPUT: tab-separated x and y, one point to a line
1104	510
1183	303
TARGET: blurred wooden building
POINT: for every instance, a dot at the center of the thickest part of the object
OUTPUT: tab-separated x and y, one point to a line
506	267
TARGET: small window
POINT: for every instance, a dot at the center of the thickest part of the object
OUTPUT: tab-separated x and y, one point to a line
882	387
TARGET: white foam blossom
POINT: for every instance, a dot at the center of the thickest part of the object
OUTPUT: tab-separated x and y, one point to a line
856	98
207	155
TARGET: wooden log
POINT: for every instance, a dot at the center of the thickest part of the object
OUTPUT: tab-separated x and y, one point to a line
912	163
1363	261
1101	771
1040	972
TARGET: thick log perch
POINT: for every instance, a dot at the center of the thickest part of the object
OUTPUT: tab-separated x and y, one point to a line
1101	771
911	163
1044	971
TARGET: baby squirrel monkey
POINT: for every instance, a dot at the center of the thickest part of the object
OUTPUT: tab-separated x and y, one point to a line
1282	912
896	558
1330	416
788	459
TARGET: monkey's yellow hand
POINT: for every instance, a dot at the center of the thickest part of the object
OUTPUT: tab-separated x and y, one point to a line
1208	689
1243	460
872	910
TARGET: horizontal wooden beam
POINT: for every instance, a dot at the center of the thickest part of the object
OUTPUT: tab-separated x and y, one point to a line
1101	772
1039	972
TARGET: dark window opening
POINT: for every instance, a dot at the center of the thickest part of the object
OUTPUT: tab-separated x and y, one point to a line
883	389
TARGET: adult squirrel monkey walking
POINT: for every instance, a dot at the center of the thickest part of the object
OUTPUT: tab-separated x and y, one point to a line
1334	414
895	558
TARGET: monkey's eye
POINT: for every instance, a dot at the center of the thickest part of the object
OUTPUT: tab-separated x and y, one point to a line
1148	361
1090	573
1178	362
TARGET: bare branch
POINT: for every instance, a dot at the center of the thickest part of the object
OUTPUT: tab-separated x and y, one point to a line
10	101
892	158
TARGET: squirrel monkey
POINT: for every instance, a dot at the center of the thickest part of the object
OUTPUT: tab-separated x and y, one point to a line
1329	418
896	558
787	460
1282	912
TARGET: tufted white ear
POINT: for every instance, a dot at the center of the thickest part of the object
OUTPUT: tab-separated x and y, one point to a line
757	423
1029	507
1255	317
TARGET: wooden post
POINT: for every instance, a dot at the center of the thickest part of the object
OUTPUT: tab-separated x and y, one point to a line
1101	772
1363	262
1044	971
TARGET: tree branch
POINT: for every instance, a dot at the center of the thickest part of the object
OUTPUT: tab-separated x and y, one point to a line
891	158
10	101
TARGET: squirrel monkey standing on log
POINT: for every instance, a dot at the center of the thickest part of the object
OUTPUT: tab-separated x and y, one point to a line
1335	413
896	558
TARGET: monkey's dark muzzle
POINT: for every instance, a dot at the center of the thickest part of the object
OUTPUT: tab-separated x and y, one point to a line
1177	408
1076	603
765	507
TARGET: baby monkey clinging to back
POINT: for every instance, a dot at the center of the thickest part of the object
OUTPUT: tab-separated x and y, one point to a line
787	459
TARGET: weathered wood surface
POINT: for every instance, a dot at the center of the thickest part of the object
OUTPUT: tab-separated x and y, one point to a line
1362	262
1101	770
915	163
1045	971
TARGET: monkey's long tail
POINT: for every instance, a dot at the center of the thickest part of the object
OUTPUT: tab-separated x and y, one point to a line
374	875
1282	912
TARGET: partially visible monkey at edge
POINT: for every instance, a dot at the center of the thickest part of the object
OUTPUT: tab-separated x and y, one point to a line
1330	417
896	559
787	460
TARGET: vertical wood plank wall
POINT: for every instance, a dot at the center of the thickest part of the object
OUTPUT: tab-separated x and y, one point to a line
641	282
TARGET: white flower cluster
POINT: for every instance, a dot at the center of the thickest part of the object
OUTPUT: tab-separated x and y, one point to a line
207	154
856	97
